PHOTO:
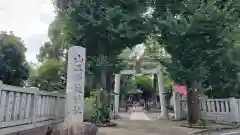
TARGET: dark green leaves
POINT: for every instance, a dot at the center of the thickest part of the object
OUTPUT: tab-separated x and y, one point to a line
199	42
13	66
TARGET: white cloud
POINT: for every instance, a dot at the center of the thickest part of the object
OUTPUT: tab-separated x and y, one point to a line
27	19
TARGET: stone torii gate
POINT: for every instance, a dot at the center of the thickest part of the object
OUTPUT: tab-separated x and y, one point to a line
138	70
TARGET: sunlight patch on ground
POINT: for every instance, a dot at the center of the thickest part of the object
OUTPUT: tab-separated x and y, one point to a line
139	116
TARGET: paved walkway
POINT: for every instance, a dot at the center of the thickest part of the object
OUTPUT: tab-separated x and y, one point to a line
143	127
137	122
139	116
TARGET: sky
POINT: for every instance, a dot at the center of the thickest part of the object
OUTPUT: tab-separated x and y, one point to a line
29	20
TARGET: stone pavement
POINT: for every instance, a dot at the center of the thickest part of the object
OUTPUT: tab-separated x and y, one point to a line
145	127
139	116
137	122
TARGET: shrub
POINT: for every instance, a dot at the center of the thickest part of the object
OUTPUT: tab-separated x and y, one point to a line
96	113
89	108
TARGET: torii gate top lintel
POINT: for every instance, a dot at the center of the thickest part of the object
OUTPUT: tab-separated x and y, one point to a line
143	71
143	61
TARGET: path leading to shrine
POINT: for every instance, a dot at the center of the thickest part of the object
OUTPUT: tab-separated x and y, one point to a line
138	122
139	116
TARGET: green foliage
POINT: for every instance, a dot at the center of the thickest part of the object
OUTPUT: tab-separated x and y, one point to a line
49	51
104	28
52	73
167	82
14	69
145	83
48	76
155	50
97	112
54	49
128	84
152	47
200	38
125	54
90	109
104	114
114	25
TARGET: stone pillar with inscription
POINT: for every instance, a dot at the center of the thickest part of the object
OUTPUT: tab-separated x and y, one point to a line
75	84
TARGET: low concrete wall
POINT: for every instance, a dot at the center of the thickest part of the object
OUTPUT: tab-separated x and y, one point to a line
35	131
62	129
75	129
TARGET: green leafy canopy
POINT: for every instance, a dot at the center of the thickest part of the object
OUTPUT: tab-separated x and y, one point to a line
14	69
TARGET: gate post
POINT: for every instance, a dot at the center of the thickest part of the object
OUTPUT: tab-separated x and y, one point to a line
233	110
176	105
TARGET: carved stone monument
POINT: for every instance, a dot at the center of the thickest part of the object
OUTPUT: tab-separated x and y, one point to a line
75	84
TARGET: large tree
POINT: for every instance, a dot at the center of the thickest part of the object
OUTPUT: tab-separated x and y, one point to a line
198	35
14	69
52	73
55	47
104	28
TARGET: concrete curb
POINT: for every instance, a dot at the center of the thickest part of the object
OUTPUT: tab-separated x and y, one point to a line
214	129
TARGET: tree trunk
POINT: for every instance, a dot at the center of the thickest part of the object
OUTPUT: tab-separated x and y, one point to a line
192	101
109	91
106	84
94	85
104	95
104	78
155	90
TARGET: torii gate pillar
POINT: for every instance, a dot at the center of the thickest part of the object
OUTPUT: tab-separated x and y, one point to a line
164	113
116	93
